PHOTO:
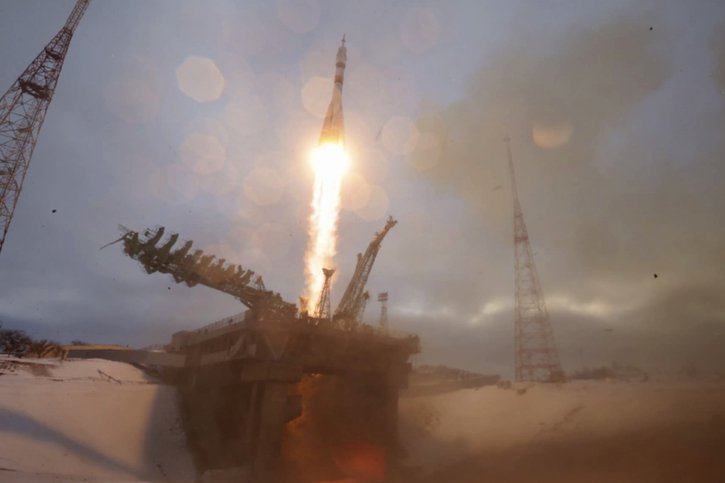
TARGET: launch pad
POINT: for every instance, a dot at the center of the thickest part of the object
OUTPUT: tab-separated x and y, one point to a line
243	382
242	379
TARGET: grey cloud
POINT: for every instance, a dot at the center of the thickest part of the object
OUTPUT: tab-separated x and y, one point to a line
627	196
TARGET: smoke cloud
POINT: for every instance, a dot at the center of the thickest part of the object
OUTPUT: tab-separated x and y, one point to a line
616	153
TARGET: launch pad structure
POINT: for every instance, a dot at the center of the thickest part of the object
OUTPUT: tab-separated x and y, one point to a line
241	386
242	378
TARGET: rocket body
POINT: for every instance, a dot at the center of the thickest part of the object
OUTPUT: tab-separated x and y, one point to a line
333	127
329	162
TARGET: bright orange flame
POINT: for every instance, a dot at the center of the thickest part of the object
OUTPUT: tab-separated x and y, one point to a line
329	163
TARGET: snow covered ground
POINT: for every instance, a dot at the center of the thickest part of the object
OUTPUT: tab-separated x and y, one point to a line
96	420
605	431
88	420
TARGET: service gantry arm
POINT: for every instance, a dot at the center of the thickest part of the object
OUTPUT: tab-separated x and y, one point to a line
353	300
197	268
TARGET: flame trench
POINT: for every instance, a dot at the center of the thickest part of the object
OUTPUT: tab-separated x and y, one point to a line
329	162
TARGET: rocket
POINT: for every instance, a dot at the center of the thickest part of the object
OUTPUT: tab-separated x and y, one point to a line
333	128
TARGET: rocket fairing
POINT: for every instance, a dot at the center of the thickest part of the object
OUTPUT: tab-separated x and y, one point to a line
333	126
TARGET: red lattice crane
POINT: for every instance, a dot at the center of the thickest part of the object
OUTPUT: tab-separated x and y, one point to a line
22	111
537	358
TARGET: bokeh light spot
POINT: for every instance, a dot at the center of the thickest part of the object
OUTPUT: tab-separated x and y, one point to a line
200	79
550	136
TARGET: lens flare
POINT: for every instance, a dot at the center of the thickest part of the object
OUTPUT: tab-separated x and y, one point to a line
329	162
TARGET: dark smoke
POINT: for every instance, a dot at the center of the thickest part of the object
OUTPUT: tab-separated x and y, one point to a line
590	80
619	163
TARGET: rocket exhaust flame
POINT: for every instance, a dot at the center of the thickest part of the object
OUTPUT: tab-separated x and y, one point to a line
329	162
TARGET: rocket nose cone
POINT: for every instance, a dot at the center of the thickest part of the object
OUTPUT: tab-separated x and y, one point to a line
342	52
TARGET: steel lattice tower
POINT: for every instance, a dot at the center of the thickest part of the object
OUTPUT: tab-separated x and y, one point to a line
22	111
537	358
383	299
323	310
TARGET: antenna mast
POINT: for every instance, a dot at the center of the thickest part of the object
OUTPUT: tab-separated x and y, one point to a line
22	111
537	358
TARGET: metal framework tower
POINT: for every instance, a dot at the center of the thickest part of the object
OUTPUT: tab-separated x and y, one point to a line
323	311
354	299
383	299
537	358
22	111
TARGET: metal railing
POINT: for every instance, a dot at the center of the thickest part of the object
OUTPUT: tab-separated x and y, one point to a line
226	321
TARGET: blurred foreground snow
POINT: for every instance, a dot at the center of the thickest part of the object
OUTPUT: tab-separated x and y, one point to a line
579	431
88	420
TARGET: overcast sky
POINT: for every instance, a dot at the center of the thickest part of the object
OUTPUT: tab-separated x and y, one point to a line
200	116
